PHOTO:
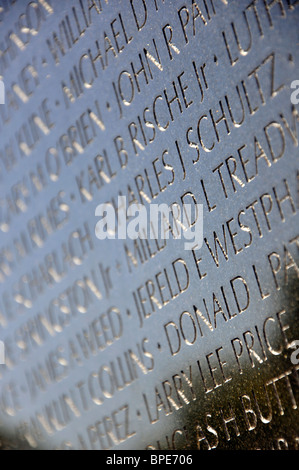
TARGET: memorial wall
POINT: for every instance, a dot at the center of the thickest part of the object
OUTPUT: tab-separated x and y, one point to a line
149	227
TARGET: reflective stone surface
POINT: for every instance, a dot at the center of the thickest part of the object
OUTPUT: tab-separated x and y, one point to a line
134	344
